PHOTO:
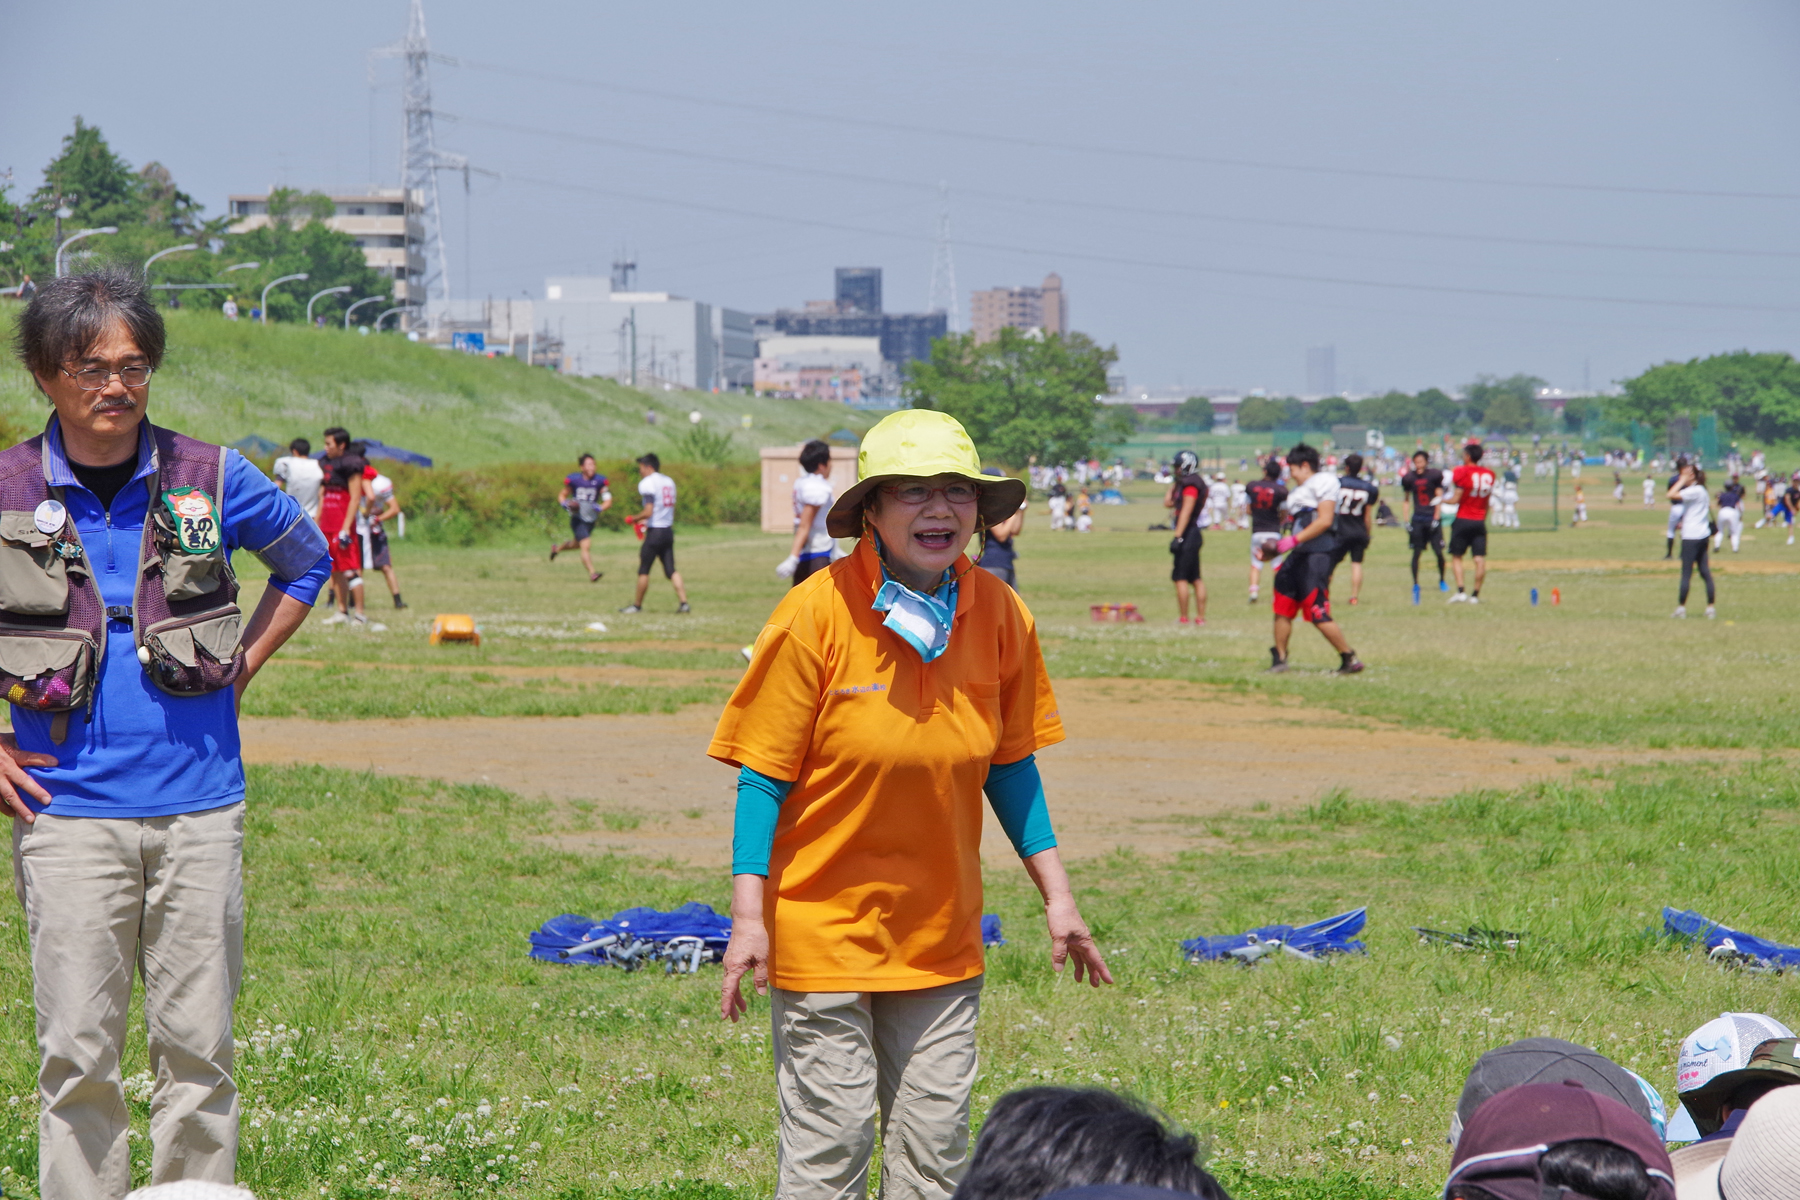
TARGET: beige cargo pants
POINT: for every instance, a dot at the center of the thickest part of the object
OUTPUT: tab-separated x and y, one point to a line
841	1057
103	895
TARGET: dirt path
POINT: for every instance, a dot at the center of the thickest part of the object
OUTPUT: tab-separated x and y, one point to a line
1138	770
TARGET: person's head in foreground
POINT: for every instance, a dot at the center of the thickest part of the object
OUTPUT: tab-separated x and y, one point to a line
1472	452
1721	1046
1353	465
1421	459
1042	1140
1764	1160
1718	1106
300	448
91	343
1552	1060
921	492
1272	469
1562	1141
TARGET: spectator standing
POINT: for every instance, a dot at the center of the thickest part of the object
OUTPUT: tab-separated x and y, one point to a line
299	475
881	700
128	820
339	501
997	552
1186	501
379	507
1694	523
586	496
27	290
230	308
656	524
811	551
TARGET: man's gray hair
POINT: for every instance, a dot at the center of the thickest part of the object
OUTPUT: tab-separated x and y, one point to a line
68	315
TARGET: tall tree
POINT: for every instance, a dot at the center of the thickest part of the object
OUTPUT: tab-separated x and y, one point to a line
97	184
1023	396
1488	388
1332	410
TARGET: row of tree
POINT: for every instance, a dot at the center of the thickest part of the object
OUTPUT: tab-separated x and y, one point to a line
88	186
1754	395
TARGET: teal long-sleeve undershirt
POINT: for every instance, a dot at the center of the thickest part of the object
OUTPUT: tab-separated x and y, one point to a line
1015	791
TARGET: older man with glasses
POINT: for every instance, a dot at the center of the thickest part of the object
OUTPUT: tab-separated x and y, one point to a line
123	653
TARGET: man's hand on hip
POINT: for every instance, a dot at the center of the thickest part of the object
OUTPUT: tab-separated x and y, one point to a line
14	780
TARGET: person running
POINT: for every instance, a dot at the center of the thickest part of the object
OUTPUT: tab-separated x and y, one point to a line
379	507
299	475
1266	499
1471	485
1731	514
1303	582
1689	493
1767	496
584	494
997	552
341	497
1186	500
1424	485
812	546
657	522
1354	524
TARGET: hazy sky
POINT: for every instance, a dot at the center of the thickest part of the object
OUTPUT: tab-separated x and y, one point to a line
1220	185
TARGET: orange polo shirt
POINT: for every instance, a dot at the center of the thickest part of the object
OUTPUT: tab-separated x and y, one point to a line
875	879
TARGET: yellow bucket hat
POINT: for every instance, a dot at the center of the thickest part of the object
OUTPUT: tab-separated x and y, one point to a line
919	443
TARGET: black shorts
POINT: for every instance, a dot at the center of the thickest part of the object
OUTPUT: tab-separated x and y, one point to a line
658	544
1467	535
579	529
1425	534
1351	549
378	556
1303	586
1187	558
808	565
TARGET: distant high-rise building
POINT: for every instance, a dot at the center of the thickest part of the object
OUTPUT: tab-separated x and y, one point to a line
859	290
1321	370
1024	308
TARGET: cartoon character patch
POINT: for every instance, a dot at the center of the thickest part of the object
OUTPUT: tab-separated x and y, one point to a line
196	519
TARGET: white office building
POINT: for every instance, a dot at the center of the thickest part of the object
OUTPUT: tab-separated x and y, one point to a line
651	339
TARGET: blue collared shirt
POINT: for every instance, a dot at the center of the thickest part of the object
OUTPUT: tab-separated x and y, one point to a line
143	752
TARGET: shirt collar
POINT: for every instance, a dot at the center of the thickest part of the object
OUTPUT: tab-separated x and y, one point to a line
58	473
867	565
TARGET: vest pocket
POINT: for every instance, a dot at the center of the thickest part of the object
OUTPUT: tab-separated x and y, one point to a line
34	580
193	655
46	670
190	576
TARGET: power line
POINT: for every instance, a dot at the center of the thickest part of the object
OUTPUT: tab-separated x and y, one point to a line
1105	206
1162	264
1109	151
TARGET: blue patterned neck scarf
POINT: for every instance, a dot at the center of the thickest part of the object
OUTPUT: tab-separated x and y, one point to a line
922	620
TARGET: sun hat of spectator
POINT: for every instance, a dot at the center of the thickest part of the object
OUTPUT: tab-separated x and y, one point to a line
1552	1060
919	443
1724	1043
1507	1135
1776	1061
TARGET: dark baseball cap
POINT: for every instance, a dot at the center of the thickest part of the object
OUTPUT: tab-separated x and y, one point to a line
1547	1060
1775	1061
1507	1135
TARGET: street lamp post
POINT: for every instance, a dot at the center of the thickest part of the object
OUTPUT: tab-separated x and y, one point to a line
249	266
326	292
73	238
170	250
273	283
357	305
386	313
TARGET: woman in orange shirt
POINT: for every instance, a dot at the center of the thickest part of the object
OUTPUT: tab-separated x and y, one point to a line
884	696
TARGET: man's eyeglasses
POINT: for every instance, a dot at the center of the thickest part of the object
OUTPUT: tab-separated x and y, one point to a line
93	379
914	494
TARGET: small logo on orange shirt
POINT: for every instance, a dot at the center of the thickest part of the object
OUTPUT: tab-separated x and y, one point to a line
857	691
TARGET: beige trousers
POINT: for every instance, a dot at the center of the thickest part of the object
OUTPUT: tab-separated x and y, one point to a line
840	1057
101	895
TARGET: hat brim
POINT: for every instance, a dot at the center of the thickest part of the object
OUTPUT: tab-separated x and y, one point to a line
1703	1102
1000	499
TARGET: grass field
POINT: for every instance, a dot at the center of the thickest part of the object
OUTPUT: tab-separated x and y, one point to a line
396	1041
224	381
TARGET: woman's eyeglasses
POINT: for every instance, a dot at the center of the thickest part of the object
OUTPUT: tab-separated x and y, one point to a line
93	379
914	494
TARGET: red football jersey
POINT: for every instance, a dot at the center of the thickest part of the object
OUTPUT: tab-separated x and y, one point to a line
1474	484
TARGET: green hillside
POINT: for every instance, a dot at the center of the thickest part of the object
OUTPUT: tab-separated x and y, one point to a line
225	380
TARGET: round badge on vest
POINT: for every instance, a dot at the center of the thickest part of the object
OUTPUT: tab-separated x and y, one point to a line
49	517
